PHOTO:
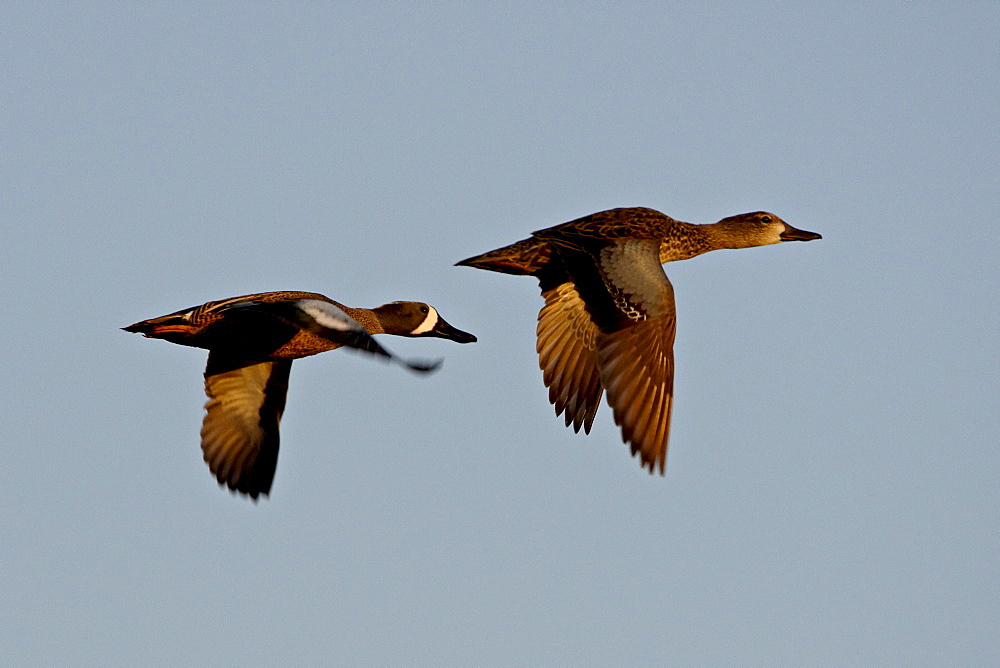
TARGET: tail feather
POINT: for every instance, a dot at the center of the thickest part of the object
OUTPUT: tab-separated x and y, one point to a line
525	257
174	323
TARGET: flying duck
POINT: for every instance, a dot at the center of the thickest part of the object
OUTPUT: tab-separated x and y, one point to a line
609	319
251	342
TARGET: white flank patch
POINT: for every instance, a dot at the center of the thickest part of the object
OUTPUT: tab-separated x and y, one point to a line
429	322
327	315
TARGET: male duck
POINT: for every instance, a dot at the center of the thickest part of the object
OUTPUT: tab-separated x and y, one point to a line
252	341
609	320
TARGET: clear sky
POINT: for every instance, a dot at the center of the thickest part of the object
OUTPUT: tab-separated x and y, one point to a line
833	482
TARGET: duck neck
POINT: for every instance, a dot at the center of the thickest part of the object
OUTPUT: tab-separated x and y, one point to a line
685	241
368	318
722	235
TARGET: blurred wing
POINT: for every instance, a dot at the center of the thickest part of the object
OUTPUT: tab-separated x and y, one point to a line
239	436
567	356
333	324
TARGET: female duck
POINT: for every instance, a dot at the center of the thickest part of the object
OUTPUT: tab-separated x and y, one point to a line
609	320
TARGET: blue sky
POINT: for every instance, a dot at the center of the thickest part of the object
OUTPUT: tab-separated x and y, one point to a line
832	486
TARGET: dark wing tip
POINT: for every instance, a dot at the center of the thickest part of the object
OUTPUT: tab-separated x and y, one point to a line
421	366
245	490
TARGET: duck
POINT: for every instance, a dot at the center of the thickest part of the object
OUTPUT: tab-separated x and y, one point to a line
609	319
252	341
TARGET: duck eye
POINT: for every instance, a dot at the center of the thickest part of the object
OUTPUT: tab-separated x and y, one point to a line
765	219
423	309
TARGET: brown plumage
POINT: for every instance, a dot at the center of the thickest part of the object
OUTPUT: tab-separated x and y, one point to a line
252	341
609	319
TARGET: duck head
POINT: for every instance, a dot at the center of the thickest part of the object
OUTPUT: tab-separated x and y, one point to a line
418	319
759	228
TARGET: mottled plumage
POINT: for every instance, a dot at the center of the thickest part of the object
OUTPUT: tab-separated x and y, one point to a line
609	319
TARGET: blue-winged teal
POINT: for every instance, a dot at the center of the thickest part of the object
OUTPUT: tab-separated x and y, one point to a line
252	341
609	320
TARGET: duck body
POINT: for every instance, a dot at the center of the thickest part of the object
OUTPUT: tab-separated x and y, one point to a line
252	340
609	319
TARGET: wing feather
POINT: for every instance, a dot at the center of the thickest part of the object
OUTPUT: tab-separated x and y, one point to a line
637	370
567	356
239	436
630	303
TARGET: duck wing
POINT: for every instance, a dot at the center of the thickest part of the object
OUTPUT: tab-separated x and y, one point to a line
326	320
567	353
631	303
239	436
637	369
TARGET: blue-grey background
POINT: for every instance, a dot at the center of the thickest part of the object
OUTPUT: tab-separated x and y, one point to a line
832	489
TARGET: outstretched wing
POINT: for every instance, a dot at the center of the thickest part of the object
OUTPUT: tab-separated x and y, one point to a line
239	436
637	369
567	355
631	302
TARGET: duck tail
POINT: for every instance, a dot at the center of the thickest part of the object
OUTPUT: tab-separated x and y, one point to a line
522	258
164	327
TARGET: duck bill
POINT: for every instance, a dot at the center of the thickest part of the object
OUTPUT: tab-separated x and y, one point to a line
445	331
792	234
